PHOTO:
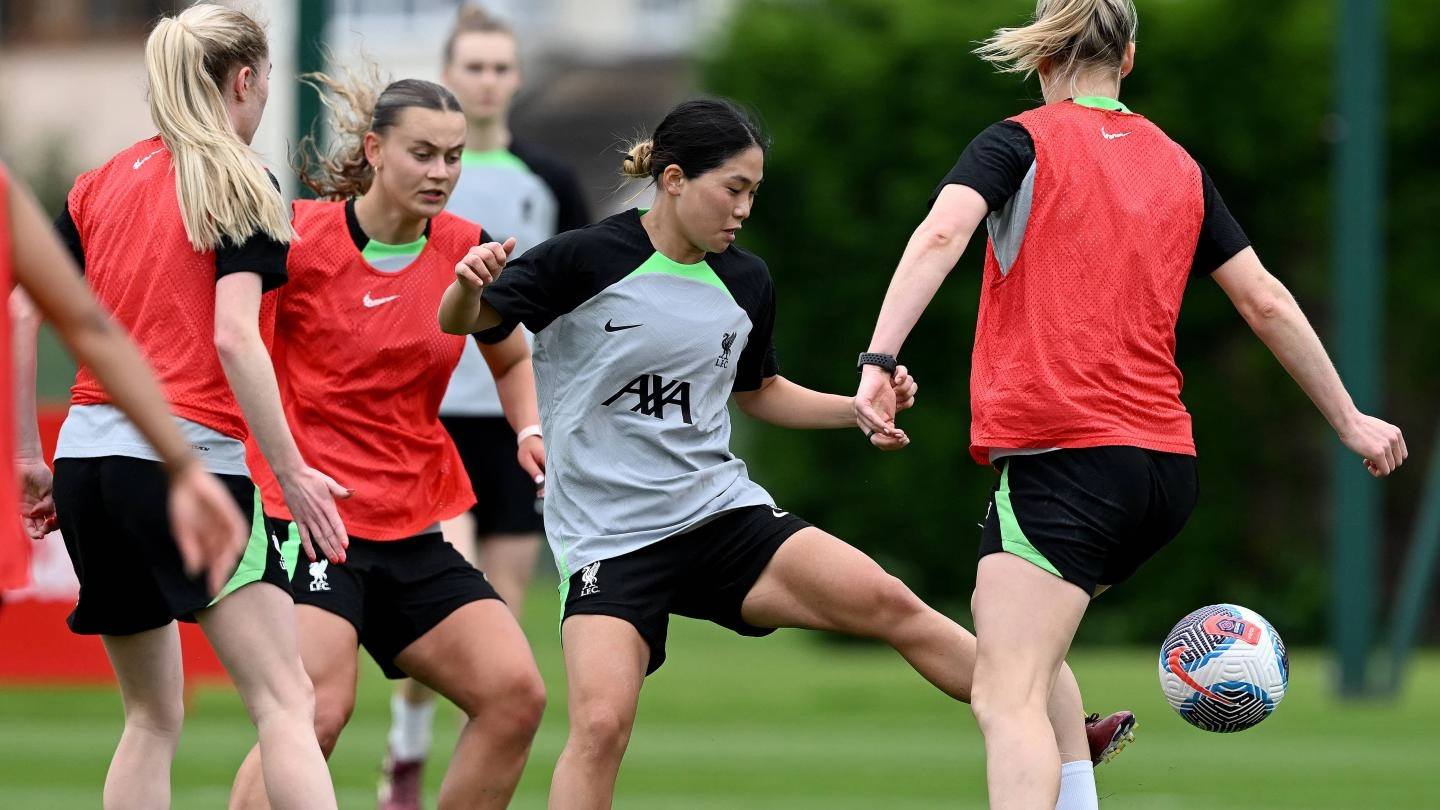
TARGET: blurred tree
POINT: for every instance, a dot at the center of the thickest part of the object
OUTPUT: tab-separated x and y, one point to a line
870	102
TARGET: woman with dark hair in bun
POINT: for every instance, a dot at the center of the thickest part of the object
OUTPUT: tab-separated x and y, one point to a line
646	325
362	367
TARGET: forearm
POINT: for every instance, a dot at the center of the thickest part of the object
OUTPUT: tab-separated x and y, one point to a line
928	258
786	404
251	376
463	312
1283	328
25	329
516	388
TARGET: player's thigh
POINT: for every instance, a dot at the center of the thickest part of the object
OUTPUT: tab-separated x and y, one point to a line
818	581
477	655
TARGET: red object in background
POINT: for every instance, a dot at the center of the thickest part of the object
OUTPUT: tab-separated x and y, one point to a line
36	647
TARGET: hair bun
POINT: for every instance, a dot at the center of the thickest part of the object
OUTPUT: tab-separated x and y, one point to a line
637	160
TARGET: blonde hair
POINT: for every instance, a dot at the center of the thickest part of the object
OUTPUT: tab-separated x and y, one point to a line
357	107
636	164
223	189
1065	36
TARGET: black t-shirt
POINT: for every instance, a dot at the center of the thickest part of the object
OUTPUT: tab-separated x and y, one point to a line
997	160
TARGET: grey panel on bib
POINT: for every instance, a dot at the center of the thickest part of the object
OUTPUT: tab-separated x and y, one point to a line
1007	225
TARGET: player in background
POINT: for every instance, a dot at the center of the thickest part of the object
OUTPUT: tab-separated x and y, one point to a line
362	366
209	530
517	190
178	236
647	324
1097	221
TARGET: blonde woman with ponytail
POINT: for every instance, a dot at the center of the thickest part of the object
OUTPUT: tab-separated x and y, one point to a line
1097	221
365	366
178	236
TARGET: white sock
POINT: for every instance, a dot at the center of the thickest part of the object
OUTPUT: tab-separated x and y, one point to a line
1077	787
410	728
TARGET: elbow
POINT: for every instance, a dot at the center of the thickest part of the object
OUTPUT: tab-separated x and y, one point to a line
1267	308
232	339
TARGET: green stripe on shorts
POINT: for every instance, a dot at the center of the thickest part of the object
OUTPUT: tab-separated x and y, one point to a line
1012	537
252	565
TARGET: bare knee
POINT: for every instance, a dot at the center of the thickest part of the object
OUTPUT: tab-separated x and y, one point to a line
288	693
331	715
888	605
161	717
510	709
600	730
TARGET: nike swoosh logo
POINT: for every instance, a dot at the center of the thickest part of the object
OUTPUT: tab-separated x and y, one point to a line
778	513
375	302
141	161
611	327
1110	136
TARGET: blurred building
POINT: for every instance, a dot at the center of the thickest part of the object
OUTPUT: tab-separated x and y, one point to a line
597	71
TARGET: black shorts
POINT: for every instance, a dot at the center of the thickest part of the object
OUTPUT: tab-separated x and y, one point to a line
704	573
505	495
392	591
1090	516
114	516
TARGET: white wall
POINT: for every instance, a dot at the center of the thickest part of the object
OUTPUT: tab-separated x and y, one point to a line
91	98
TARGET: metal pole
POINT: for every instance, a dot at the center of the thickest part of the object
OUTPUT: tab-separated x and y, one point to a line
1360	262
1418	573
313	18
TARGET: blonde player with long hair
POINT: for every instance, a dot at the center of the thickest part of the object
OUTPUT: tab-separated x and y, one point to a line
1097	223
178	236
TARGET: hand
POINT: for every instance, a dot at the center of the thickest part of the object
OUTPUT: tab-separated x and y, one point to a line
311	496
482	264
876	402
905	388
532	460
37	502
208	527
1376	441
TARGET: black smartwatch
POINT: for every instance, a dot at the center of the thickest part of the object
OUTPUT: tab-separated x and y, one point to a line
885	361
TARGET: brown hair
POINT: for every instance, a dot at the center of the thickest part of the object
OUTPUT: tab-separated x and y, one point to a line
356	108
474	20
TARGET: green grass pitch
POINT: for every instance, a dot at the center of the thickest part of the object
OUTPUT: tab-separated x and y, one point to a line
786	722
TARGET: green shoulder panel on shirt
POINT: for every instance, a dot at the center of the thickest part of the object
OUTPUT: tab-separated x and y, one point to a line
492	157
699	271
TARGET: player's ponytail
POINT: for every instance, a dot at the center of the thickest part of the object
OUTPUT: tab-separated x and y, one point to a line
1065	36
356	107
222	187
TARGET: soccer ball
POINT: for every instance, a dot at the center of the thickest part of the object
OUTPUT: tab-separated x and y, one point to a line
1224	668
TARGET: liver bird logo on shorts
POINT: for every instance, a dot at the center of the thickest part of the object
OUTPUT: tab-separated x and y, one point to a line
318	577
589	576
723	361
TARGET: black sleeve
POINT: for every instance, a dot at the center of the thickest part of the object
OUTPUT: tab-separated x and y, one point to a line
572	211
261	254
994	164
757	359
70	236
485	237
534	290
1220	235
